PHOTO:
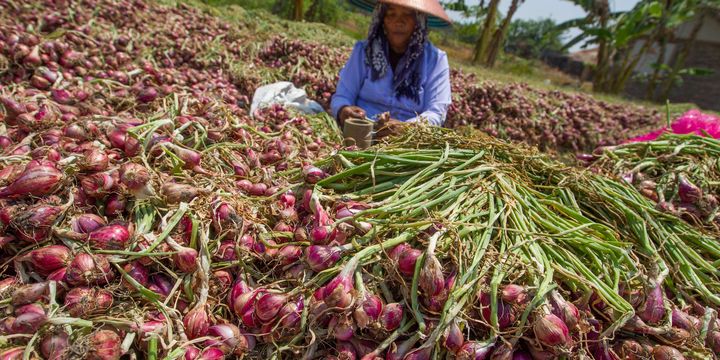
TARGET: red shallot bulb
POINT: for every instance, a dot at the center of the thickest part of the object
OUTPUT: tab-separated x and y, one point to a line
104	345
514	294
551	331
453	338
342	327
268	305
54	346
196	322
653	310
229	339
432	280
134	176
83	301
406	257
186	259
138	272
391	316
472	350
87	223
110	237
47	259
36	180
662	352
368	310
29	293
565	310
86	269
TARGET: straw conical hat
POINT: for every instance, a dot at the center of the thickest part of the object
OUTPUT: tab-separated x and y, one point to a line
437	17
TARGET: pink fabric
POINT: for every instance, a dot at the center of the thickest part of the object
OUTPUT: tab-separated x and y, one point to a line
692	122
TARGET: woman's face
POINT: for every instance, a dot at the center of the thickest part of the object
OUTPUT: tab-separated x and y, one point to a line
399	23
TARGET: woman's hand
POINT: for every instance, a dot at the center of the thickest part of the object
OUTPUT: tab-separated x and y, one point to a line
350	112
388	126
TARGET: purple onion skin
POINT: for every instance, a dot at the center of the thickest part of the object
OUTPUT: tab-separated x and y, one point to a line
653	310
406	257
688	192
565	310
15	353
551	331
27	323
453	338
211	353
391	316
321	257
346	351
147	95
522	355
505	314
49	258
514	294
685	321
191	353
268	305
662	352
196	322
368	310
338	292
54	346
38	181
631	350
600	351
87	223
713	342
472	350
110	237
419	354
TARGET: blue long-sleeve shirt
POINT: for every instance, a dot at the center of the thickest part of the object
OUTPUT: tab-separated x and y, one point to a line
356	88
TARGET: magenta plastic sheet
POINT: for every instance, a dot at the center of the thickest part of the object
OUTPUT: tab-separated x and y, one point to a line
692	122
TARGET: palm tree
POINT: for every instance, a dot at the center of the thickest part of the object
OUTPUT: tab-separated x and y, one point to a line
499	37
298	10
483	41
492	37
616	34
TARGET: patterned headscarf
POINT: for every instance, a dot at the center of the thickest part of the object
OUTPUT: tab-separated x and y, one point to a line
406	78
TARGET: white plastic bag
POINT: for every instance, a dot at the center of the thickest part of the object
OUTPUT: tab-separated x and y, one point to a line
286	94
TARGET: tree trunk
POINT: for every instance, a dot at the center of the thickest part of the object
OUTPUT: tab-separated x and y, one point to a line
681	57
482	44
626	70
602	11
499	37
298	11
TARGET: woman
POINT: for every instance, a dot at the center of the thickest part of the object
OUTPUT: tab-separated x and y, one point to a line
396	70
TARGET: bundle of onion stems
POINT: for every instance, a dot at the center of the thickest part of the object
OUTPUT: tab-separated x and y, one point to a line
503	251
681	173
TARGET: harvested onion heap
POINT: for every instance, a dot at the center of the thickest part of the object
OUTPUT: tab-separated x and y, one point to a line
680	173
549	119
191	48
